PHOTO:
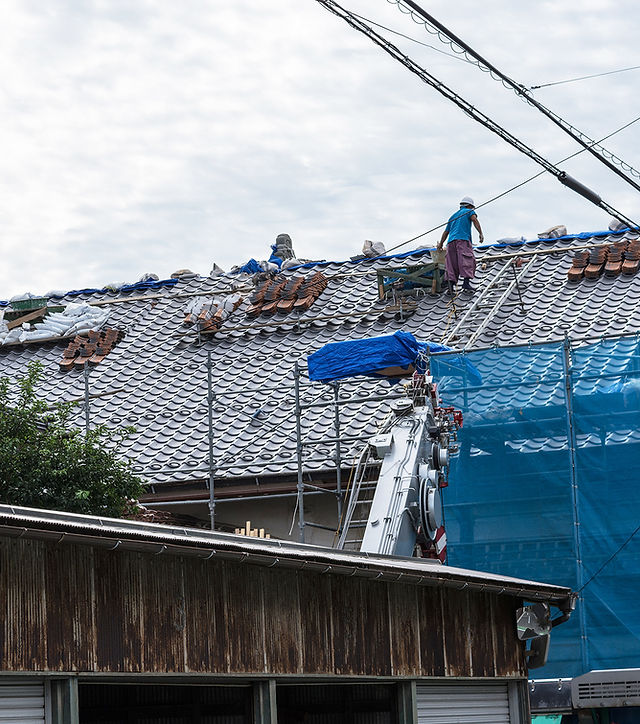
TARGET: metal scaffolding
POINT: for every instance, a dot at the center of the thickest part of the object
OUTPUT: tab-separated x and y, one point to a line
339	395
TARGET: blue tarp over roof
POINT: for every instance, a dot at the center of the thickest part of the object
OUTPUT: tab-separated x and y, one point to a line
340	360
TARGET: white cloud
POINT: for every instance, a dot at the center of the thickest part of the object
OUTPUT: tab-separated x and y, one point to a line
151	136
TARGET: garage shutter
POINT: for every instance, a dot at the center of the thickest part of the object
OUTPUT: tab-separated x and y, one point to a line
22	703
463	703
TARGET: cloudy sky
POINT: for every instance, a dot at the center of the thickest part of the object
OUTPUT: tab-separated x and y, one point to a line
148	135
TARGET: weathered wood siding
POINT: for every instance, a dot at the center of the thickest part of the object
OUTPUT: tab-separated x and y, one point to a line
77	608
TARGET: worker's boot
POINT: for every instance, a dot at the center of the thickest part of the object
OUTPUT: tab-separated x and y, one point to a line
466	286
451	289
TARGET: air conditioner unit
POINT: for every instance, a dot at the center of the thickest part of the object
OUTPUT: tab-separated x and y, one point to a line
613	688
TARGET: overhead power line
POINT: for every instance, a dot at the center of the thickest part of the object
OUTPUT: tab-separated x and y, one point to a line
470	110
574	80
431	24
511	189
413	40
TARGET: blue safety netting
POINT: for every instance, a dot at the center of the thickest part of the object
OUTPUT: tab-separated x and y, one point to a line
399	352
546	487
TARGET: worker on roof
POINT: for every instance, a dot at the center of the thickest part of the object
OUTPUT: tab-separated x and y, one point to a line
460	259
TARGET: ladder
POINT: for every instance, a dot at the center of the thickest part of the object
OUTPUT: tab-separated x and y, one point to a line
357	511
478	314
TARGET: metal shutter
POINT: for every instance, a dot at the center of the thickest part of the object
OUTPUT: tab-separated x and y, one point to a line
463	702
22	703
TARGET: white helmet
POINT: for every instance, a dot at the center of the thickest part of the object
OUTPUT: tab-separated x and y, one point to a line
467	201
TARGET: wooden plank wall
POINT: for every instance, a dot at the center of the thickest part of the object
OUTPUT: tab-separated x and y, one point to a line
77	608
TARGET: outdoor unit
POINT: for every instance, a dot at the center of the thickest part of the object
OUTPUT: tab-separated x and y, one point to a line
610	688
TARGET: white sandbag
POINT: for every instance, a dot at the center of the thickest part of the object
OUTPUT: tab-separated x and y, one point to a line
60	320
617	225
75	310
288	263
553	232
372	249
13	335
34	334
82	326
55	329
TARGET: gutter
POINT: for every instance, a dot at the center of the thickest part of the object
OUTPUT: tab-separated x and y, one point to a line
113	534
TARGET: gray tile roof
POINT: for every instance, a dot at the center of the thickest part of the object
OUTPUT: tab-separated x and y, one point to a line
160	369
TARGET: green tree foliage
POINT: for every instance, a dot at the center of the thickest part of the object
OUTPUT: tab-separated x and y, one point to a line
46	463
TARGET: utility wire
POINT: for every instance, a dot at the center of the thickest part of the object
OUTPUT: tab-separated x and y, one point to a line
609	559
471	111
572	80
514	188
433	26
413	40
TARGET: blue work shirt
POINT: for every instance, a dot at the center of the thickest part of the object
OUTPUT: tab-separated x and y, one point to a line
459	225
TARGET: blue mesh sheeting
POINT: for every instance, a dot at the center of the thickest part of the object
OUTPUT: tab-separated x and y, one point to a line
512	507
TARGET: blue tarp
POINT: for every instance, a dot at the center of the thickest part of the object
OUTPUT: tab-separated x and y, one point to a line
251	267
340	360
539	494
137	286
274	259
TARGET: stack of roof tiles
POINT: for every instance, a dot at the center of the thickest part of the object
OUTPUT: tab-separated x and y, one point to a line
621	257
92	349
284	294
212	314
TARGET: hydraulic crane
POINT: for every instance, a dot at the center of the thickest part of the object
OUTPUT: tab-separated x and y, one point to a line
405	516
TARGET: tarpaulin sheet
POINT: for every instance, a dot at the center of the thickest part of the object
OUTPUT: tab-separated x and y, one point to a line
340	360
251	267
546	487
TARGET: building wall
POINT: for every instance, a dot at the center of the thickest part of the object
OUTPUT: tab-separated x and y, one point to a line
70	607
276	516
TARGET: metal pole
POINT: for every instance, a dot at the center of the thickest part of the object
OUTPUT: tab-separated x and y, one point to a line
336	423
515	279
571	439
296	377
212	470
86	399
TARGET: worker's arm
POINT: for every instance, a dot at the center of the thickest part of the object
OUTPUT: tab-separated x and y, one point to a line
443	238
476	223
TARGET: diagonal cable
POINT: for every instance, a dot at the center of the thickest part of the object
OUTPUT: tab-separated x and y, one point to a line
471	111
433	26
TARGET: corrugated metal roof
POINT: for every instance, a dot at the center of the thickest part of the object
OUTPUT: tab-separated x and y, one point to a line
115	533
